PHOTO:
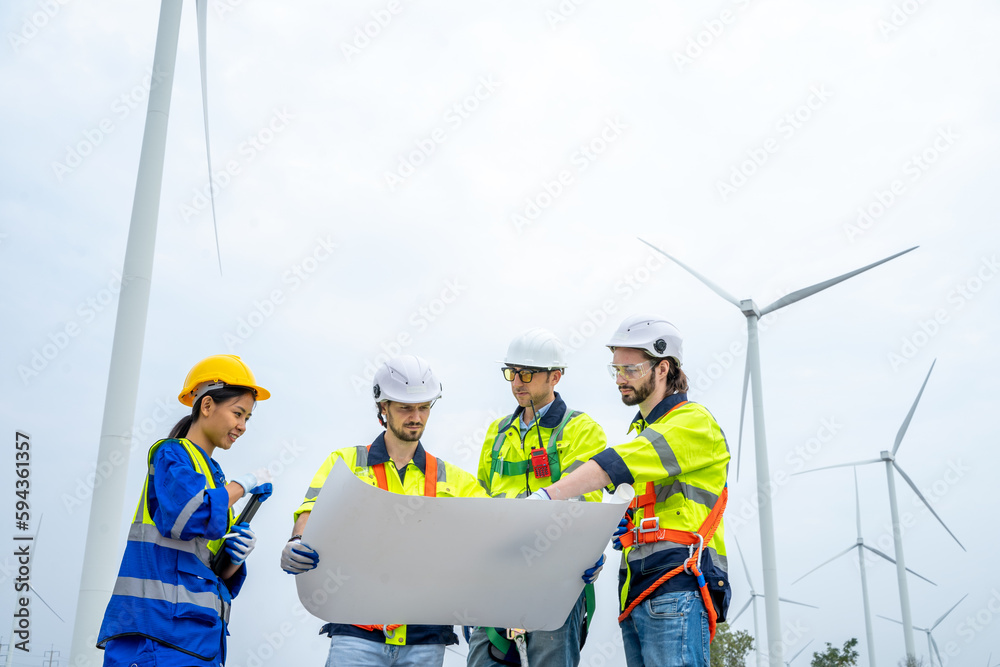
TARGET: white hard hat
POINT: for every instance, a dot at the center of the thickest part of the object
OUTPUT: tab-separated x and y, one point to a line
652	334
406	379
537	348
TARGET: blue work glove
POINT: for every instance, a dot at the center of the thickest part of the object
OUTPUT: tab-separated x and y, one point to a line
590	575
263	490
540	494
240	542
298	557
622	528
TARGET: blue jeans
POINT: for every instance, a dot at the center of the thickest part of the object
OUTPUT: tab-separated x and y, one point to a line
346	651
670	630
555	648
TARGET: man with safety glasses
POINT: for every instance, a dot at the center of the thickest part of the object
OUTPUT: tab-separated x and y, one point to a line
536	445
673	581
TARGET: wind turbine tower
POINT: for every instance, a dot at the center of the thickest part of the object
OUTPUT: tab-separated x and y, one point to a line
753	376
100	555
753	600
861	546
889	458
931	644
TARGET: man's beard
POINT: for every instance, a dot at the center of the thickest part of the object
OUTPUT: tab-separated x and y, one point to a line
640	391
404	435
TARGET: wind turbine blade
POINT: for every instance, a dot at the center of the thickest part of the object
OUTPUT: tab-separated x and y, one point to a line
857	502
891	560
824	563
913	408
801	604
743	410
937	622
202	10
890	619
39	596
799	651
740	612
708	283
936	651
839	465
924	501
745	568
819	287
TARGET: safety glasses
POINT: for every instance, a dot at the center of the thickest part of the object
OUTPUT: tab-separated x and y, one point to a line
629	371
524	373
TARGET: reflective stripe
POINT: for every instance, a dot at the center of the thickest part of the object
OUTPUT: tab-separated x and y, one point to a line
312	493
573	466
189	509
150	589
641	551
667	457
148	533
693	493
442	471
361	458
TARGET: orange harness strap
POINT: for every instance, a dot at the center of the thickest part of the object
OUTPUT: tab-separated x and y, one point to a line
430	476
649	531
430	491
702	537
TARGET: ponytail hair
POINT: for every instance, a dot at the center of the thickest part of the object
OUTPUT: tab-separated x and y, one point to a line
677	381
224	395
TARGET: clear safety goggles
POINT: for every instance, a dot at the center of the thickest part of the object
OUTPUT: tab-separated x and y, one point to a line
629	371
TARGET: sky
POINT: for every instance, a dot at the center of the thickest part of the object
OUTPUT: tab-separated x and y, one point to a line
435	178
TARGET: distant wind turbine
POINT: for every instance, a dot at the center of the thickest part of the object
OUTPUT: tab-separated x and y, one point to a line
100	556
753	600
931	644
889	458
752	375
861	546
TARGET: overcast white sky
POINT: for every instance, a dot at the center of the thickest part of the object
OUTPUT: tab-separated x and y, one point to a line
742	136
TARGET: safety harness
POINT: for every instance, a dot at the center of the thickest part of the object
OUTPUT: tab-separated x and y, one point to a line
430	491
546	465
515	468
648	531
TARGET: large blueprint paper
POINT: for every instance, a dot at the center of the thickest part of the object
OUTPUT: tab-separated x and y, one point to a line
387	558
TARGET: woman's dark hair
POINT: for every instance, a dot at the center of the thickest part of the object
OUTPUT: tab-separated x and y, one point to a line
224	395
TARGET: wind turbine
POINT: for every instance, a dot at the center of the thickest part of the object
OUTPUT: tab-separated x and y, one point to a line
788	663
889	458
752	375
753	600
100	556
931	644
861	546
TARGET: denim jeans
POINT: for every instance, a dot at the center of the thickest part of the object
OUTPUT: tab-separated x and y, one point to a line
670	630
346	651
555	648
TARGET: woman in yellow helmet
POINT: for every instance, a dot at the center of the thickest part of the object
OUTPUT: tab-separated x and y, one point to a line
168	607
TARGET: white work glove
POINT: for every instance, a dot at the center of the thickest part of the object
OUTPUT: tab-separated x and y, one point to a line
298	557
253	479
540	494
240	543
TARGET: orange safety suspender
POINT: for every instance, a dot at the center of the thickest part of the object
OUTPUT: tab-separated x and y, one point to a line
649	531
430	491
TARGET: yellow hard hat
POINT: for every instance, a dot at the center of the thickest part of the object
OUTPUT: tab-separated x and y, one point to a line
220	368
